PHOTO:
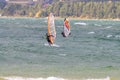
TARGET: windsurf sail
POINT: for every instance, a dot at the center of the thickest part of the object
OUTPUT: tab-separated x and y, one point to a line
66	28
51	28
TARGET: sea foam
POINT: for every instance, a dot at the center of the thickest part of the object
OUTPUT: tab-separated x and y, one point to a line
108	36
80	23
23	78
107	78
91	32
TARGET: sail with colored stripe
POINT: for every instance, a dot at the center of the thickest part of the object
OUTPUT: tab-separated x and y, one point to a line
66	28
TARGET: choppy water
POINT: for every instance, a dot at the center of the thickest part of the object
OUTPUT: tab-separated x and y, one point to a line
91	52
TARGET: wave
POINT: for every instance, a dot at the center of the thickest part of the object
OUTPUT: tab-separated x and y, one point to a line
91	32
80	23
117	36
62	54
107	78
108	36
113	36
108	27
97	25
23	78
48	78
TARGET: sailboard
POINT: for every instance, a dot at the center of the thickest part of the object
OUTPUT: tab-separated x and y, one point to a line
52	45
66	29
51	28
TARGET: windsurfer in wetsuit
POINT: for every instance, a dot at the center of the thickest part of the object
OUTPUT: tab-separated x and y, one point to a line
66	22
51	34
48	38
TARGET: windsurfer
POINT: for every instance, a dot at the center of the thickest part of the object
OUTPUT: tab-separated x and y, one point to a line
66	23
51	34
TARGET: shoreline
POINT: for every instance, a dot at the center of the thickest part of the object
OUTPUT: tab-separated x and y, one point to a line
71	18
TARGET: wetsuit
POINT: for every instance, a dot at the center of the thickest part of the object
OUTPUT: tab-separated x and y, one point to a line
63	34
48	38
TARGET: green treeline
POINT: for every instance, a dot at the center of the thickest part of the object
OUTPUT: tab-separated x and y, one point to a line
88	10
91	10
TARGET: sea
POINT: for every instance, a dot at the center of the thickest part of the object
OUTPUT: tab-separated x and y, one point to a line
91	52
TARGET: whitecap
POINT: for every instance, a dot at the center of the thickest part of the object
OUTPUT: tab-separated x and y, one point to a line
98	25
80	23
107	78
54	78
62	54
108	27
117	36
40	78
108	36
91	32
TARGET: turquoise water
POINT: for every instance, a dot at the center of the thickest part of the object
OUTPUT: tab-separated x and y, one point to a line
91	51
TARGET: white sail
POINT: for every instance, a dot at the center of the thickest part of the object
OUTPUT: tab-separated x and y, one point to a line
66	31
51	28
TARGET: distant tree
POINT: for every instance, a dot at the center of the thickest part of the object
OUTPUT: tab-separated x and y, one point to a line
2	4
63	10
75	8
49	9
56	8
80	9
117	9
69	10
100	12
